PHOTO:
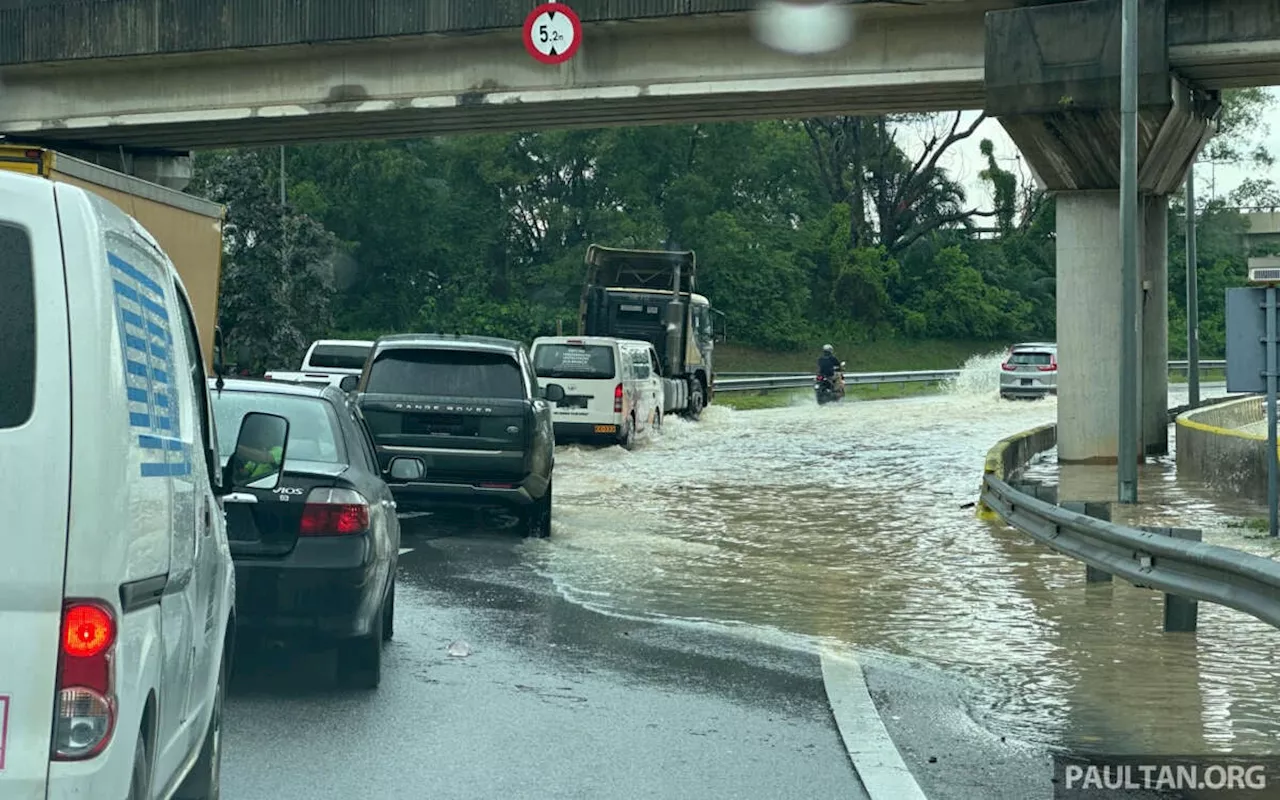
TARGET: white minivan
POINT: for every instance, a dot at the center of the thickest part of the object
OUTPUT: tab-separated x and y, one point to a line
116	583
613	387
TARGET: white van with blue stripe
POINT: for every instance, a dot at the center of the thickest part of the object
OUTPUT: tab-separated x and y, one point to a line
116	583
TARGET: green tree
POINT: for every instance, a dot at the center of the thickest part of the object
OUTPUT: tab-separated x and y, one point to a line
277	266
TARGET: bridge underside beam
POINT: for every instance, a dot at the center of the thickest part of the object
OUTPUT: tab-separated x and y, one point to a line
636	73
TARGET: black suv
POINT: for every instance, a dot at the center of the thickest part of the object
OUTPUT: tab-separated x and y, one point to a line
461	420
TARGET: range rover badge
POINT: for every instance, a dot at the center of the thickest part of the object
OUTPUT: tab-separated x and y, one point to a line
513	429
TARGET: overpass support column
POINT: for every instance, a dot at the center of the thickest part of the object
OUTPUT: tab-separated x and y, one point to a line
1154	386
169	169
1053	81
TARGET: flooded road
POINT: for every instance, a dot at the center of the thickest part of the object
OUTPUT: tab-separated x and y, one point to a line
851	523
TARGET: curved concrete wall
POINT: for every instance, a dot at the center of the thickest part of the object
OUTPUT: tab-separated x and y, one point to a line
1011	454
1218	446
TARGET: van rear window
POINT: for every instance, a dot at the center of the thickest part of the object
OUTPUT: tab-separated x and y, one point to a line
17	327
574	361
338	356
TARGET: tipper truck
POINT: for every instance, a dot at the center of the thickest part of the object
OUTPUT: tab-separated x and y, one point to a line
651	295
188	228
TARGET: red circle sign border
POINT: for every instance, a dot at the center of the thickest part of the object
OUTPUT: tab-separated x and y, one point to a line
559	8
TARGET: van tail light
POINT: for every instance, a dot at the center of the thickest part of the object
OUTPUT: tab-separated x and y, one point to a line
334	512
85	709
1007	367
617	399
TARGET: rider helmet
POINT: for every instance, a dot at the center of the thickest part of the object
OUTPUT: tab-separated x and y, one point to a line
826	348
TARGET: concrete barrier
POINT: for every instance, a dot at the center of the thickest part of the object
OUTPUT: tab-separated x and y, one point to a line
1215	448
1011	454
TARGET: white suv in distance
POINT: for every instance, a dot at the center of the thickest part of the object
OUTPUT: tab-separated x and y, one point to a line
1030	370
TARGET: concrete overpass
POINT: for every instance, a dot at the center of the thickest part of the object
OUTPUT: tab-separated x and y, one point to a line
187	74
182	74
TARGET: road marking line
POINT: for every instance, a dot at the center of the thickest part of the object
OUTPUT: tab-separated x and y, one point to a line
404	550
875	757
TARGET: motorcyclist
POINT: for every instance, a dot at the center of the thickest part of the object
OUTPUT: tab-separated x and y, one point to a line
828	364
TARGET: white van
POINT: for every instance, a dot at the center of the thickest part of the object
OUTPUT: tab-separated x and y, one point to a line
116	583
613	387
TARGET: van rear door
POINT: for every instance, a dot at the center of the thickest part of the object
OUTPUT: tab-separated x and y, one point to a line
35	464
590	373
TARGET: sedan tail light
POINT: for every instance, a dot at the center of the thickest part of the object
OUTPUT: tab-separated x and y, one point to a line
85	711
334	512
1007	367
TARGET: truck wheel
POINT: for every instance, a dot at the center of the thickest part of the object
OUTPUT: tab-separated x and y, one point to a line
697	401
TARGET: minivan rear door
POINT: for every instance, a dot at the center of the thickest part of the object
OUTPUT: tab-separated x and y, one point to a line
35	464
587	371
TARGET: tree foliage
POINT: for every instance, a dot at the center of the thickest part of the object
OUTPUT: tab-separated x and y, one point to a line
821	229
277	264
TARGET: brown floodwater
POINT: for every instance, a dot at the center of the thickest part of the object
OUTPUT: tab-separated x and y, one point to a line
852	523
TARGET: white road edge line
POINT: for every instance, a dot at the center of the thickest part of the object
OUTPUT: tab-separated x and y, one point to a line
875	757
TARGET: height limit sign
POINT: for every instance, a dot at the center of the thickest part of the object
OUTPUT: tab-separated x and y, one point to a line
552	33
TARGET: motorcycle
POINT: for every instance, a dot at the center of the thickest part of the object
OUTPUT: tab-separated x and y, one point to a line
829	389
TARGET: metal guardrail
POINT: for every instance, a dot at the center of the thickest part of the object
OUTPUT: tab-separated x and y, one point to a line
793	381
1194	570
1181	569
766	381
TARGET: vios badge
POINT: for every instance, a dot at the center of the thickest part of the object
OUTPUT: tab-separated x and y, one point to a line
513	429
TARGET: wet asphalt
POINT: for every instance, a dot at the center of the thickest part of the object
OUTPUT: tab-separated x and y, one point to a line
543	698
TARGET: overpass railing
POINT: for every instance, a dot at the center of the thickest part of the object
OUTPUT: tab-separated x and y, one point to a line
769	381
1173	561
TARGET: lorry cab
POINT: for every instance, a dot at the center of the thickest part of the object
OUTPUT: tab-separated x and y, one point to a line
116	585
613	387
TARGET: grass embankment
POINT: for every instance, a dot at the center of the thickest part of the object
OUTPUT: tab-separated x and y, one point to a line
890	356
1206	376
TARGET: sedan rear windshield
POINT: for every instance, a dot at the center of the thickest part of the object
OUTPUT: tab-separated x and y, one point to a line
17	327
338	356
446	373
573	361
313	434
1031	359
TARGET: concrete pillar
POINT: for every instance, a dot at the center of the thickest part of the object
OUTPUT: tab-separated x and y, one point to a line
171	171
1088	301
1154	389
1088	295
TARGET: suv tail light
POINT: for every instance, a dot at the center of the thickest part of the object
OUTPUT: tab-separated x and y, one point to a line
617	399
334	512
1051	366
85	711
1007	367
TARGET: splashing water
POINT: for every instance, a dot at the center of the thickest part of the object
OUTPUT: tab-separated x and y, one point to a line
980	375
